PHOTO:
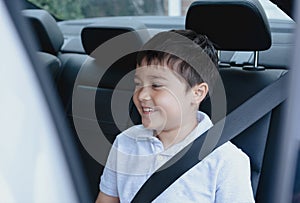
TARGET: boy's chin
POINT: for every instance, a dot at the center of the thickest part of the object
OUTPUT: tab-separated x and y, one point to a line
152	127
148	126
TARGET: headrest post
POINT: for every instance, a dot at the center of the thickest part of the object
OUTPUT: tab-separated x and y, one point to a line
223	65
255	66
255	59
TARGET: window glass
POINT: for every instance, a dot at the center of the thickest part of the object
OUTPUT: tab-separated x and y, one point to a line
76	9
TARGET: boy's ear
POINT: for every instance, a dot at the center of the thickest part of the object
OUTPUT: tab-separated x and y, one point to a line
199	92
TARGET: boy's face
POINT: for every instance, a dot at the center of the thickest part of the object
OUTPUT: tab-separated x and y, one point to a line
162	99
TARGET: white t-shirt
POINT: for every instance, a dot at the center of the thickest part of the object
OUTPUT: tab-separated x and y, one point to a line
223	176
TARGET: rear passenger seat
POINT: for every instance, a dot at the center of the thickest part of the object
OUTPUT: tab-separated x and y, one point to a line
241	26
92	110
50	41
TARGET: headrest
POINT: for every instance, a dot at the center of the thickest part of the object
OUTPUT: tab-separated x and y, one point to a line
46	29
94	35
233	25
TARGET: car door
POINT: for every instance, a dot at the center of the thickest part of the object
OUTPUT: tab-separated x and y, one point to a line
35	164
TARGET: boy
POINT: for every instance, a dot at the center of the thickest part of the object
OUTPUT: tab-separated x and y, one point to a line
167	95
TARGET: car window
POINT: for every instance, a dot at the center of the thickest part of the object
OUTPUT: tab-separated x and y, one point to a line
67	9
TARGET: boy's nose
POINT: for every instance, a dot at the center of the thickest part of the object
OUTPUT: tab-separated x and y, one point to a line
143	93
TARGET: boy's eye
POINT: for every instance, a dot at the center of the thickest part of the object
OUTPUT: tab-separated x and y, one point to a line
155	85
136	83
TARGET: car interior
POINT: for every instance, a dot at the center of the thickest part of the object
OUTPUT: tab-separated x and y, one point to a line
253	50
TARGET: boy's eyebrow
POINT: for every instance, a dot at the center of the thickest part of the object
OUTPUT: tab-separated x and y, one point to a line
152	77
157	77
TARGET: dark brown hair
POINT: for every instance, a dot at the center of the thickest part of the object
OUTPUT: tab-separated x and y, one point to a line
166	47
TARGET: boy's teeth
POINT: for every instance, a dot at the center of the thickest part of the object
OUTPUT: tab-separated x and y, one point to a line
148	109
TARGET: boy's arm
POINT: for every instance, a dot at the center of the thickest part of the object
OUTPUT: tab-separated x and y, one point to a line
234	178
103	198
235	181
108	181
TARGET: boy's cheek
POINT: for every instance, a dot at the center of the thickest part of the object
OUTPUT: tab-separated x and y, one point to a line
137	104
135	101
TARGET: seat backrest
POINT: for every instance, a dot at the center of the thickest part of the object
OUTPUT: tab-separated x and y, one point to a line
103	72
64	69
90	107
49	37
239	25
51	63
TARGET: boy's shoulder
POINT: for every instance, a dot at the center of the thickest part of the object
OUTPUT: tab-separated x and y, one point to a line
231	150
229	153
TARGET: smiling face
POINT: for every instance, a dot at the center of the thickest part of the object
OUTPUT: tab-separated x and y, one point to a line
163	100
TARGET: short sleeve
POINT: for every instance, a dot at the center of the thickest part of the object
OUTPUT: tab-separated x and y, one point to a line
234	181
108	181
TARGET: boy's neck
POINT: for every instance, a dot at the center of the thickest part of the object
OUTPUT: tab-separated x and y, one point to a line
174	136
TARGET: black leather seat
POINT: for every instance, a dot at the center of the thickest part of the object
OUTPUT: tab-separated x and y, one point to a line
50	40
240	25
97	82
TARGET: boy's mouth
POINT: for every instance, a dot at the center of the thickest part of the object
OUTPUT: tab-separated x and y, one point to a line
147	110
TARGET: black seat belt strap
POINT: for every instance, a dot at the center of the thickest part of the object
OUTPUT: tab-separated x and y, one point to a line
235	122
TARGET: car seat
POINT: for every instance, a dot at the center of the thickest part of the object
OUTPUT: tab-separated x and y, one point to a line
240	26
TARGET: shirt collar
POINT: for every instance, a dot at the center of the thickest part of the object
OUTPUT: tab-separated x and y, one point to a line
204	123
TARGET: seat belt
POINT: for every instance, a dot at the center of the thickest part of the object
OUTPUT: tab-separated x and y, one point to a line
235	122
